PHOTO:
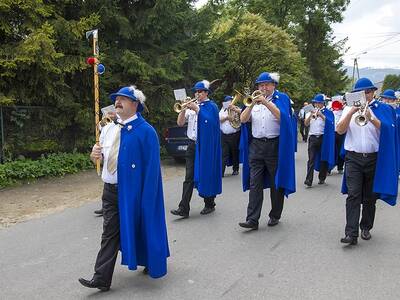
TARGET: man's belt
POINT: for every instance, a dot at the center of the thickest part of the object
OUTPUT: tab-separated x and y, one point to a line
265	139
372	154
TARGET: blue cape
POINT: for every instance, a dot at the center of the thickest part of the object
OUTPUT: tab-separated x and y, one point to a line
285	177
327	152
208	157
397	110
386	171
143	232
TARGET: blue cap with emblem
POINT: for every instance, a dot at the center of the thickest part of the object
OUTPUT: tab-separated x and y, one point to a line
203	85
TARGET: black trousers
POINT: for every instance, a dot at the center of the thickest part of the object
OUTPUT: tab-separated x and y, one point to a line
188	184
263	158
360	171
304	130
314	146
339	140
230	148
110	243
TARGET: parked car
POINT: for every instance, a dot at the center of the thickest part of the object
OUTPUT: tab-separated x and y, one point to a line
176	142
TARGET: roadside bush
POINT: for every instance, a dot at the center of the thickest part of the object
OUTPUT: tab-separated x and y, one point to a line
57	164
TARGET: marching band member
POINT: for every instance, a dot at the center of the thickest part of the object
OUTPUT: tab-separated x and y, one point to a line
204	131
321	141
133	201
389	97
268	151
303	128
230	137
370	173
337	109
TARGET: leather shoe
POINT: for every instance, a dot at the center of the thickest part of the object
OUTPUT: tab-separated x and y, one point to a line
365	235
349	240
307	183
234	173
145	271
180	212
94	284
273	222
207	210
248	225
321	182
99	212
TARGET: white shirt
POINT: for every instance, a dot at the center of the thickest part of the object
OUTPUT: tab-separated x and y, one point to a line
191	118
337	114
107	137
226	126
317	125
263	122
361	139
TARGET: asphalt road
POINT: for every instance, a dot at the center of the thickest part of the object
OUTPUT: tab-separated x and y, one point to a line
211	256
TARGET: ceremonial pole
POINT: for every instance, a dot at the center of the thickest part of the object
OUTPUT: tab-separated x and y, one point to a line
97	69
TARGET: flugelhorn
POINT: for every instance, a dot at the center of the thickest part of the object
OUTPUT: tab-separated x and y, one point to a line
179	106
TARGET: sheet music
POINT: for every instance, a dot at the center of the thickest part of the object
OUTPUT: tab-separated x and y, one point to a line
180	94
308	108
356	99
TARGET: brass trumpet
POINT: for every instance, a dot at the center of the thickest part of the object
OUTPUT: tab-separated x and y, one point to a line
179	106
252	99
314	116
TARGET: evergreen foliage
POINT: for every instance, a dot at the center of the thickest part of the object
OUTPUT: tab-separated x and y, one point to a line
159	45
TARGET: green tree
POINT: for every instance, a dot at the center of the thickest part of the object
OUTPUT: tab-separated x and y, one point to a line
254	46
391	81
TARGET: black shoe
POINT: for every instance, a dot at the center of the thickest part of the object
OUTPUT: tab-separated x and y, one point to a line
145	271
93	284
349	240
365	235
307	183
321	181
234	173
207	210
248	225
99	212
180	212
273	222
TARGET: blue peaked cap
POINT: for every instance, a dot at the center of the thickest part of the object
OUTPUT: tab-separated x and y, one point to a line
363	84
228	98
203	85
128	92
319	98
389	94
266	77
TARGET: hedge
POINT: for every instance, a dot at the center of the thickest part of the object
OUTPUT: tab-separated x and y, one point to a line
57	164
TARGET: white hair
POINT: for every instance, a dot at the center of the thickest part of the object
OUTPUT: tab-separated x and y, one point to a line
138	94
275	77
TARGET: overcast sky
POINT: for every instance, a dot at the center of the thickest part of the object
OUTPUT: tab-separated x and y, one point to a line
372	26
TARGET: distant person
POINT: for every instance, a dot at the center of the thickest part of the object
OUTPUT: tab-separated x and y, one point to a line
321	141
133	201
303	128
230	136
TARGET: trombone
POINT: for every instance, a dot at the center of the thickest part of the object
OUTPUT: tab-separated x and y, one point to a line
179	106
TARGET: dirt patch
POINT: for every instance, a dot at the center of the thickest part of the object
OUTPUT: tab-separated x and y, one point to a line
47	196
